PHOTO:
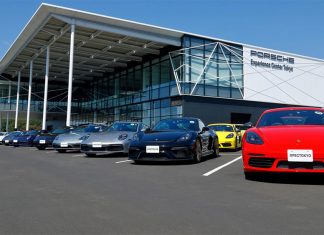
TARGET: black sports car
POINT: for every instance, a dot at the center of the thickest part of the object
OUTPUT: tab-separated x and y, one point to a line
174	139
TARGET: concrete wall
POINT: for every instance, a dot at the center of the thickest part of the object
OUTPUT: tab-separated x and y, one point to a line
215	110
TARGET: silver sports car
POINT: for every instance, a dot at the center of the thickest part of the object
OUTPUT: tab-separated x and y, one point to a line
115	140
73	139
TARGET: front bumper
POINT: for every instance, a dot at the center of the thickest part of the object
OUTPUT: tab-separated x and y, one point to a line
280	164
22	143
166	153
228	144
45	145
104	149
69	146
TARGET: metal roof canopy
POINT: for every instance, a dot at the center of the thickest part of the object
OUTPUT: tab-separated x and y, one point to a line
102	44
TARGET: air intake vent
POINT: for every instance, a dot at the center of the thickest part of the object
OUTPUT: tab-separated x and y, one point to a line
261	162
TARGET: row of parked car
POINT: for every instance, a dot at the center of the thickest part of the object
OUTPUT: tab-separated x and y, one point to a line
170	139
283	140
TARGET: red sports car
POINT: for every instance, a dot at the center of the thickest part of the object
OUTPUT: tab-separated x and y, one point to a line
285	140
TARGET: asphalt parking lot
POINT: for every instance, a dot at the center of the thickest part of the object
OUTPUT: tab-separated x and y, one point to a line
44	192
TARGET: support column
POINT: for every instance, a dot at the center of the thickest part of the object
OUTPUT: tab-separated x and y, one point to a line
8	112
0	121
69	100
17	101
29	93
46	89
95	116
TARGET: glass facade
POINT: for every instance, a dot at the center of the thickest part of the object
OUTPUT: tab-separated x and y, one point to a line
56	98
140	93
209	68
147	91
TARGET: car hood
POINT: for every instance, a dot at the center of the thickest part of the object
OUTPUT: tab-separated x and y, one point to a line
107	136
164	136
70	137
299	137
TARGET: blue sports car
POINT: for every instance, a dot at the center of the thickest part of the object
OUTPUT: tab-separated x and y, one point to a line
8	139
25	139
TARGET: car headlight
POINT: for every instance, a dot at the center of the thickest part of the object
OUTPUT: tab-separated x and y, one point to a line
253	138
122	137
185	137
230	136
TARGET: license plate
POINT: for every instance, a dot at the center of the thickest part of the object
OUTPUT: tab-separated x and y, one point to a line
96	145
15	141
42	141
152	149
6	141
64	145
300	155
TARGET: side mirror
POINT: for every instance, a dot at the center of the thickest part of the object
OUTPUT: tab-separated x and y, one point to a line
248	124
237	130
205	128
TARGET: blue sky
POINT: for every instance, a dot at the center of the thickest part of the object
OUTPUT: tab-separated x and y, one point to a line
289	25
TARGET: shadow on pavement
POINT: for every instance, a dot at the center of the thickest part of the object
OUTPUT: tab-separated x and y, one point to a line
289	178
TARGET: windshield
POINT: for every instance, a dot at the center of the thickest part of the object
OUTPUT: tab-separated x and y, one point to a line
124	126
15	133
225	128
177	124
31	132
60	131
292	117
90	128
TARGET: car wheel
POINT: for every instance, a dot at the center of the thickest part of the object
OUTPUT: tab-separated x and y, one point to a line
90	154
61	150
198	151
216	148
40	147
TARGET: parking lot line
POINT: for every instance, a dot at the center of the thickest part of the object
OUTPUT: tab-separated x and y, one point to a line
123	161
222	166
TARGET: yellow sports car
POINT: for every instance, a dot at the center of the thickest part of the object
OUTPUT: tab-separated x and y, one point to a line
229	136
